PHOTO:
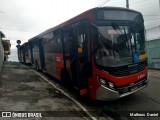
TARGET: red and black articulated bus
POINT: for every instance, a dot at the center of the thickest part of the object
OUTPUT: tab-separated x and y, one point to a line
24	53
101	52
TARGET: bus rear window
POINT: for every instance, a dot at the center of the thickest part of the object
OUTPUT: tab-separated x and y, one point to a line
118	15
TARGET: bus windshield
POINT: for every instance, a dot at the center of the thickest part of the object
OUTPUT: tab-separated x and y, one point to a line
119	45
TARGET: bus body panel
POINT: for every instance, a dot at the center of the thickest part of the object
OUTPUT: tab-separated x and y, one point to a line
59	62
50	64
100	92
24	54
125	80
54	64
53	58
36	52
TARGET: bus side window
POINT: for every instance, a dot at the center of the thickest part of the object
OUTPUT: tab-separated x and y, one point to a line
52	45
81	42
48	40
68	43
58	44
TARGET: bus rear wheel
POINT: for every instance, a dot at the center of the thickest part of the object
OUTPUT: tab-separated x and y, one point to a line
37	66
65	78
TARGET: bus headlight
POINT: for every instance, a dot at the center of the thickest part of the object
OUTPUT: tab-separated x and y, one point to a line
111	85
102	81
106	83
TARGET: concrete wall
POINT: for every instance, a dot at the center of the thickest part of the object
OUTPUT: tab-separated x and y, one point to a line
153	51
153	47
153	33
1	53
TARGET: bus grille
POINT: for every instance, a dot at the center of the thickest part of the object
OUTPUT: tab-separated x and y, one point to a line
129	70
128	88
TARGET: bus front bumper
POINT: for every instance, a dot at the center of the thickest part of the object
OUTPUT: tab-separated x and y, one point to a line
104	93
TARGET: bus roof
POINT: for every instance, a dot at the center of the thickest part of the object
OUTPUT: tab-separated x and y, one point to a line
89	14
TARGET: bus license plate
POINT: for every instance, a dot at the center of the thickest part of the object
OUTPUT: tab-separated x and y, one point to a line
134	88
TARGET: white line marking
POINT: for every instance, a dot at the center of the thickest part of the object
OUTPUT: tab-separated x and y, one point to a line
75	101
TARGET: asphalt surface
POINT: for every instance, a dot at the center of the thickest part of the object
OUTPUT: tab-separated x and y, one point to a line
146	101
23	90
19	93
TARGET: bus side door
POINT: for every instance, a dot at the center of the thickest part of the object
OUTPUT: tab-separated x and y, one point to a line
76	49
82	55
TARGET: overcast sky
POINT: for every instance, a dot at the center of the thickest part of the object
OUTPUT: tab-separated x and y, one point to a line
23	19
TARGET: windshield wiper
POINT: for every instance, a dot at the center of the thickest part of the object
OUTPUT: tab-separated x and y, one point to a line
116	27
123	34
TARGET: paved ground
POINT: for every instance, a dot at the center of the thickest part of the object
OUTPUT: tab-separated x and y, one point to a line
19	93
144	101
22	90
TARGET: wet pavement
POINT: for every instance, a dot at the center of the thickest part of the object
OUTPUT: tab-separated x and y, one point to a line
146	101
23	90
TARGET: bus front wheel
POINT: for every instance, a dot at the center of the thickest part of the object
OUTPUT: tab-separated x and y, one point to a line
65	78
37	66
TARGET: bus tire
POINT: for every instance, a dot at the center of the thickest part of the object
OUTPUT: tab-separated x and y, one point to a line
65	78
37	66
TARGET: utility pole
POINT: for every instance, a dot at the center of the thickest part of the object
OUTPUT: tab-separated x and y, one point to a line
127	3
